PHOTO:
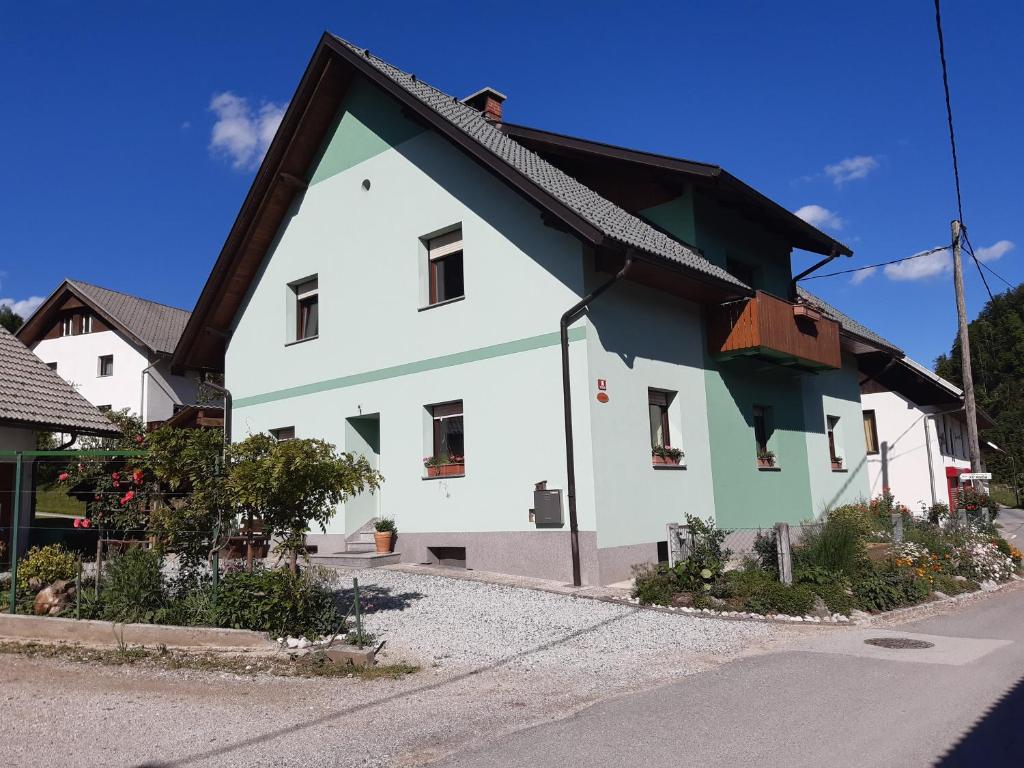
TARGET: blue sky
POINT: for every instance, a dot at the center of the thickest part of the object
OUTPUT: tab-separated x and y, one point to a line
132	131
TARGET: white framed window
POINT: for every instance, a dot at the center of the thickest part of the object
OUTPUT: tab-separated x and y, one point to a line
105	365
67	326
86	323
445	275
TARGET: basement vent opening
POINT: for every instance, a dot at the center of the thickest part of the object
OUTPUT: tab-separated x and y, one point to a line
450	557
899	643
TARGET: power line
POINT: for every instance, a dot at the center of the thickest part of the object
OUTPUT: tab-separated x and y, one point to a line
970	250
949	111
880	264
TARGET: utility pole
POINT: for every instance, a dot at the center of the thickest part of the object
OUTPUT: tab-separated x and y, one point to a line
971	411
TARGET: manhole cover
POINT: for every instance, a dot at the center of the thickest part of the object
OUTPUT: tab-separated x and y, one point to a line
898	642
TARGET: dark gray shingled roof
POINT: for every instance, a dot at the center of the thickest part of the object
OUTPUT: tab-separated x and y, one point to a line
612	220
848	323
33	395
156	325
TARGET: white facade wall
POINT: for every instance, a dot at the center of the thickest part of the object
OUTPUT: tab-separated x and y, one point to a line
910	440
377	353
77	359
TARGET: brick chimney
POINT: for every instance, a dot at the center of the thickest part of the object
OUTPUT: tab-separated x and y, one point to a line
488	101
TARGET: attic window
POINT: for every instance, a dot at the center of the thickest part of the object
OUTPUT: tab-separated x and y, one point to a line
86	323
307	309
67	326
444	255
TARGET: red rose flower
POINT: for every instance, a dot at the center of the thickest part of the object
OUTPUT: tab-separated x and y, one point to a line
63	476
127	497
86	522
137	476
115	475
77	523
117	484
96	497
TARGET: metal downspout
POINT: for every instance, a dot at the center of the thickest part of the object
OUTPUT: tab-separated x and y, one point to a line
931	468
570	316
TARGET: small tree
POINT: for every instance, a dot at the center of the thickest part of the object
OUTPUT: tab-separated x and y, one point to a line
292	484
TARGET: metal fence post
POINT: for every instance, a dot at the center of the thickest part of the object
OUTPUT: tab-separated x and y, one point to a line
15	524
216	562
897	527
78	590
359	619
785	553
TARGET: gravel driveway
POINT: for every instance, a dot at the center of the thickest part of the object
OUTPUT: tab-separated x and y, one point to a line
495	659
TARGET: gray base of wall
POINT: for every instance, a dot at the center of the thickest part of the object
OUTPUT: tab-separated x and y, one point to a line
539	554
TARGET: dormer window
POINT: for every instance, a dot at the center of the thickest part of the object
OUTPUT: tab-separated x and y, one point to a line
67	326
86	323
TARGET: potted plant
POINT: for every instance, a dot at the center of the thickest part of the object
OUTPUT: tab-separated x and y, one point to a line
765	458
666	454
384	534
442	466
837	462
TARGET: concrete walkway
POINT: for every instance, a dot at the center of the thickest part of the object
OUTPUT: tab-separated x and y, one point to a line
827	699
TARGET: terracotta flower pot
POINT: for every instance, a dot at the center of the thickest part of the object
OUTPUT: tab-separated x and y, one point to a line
765	463
655	459
383	541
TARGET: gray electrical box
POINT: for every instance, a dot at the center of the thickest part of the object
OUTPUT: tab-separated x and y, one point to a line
547	507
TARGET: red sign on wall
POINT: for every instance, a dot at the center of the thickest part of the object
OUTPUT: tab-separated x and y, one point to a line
602	384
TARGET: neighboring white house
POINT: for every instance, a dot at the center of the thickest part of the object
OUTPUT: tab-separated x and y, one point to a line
113	348
34	399
916	435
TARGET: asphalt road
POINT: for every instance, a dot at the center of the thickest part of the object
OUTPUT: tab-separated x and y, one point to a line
829	700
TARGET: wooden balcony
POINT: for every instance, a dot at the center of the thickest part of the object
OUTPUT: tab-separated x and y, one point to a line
769	327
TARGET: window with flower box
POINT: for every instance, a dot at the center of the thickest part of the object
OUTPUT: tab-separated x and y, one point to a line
663	453
832	428
448	455
762	417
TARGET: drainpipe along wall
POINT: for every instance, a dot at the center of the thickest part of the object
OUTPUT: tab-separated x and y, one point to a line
571	315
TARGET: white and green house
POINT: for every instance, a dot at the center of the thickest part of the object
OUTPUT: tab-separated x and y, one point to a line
394	283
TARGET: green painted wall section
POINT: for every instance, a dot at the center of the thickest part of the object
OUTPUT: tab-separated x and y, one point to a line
722	234
419	366
745	496
367	124
675	217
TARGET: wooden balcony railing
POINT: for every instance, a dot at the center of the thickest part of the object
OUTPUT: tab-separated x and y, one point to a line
767	326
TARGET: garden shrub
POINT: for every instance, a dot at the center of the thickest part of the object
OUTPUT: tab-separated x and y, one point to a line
854	516
132	587
766	548
47	564
654	585
937	513
836	545
836	597
277	601
950	585
884	590
775	597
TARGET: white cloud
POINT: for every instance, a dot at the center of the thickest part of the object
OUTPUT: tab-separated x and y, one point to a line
937	263
818	216
864	274
994	252
851	168
23	307
242	134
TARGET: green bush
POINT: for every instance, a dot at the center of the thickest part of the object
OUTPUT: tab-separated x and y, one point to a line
654	585
836	545
132	587
775	597
766	548
950	585
277	601
836	597
854	516
886	590
48	564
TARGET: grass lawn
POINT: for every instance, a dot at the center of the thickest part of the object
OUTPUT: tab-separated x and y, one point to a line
53	501
1003	494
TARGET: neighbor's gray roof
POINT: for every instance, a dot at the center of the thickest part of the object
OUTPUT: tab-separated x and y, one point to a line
612	220
156	325
848	323
33	395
